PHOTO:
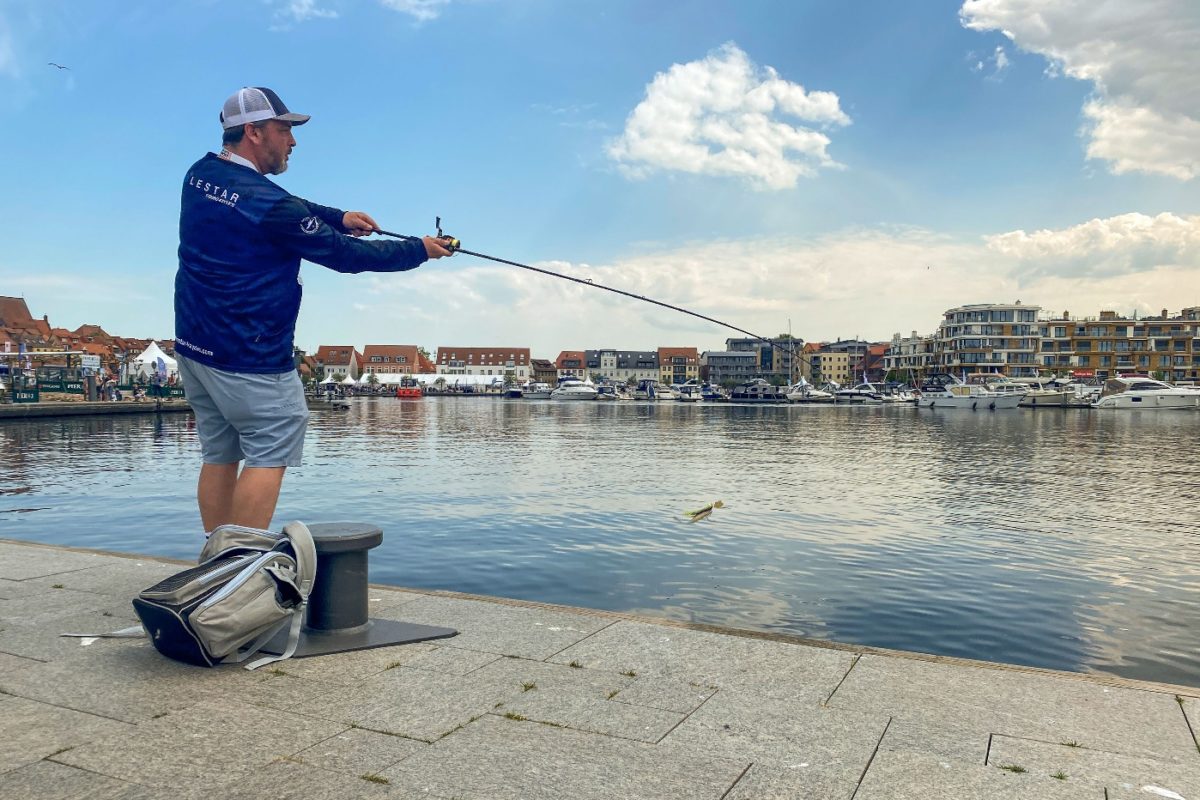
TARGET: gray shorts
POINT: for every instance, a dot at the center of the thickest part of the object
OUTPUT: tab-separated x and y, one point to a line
259	418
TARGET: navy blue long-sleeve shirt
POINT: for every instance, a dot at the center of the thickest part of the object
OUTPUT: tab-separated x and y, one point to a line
241	239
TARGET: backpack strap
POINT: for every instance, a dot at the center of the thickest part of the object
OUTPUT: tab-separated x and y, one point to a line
306	556
305	551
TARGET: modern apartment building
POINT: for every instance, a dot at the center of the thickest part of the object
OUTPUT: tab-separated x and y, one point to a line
678	365
1166	346
729	366
908	358
495	361
830	365
991	338
774	357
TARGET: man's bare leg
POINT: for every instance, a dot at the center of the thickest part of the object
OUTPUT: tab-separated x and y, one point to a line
255	496
215	494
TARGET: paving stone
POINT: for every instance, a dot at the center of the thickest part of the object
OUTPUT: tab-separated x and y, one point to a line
670	694
30	731
776	669
1096	768
1014	703
411	702
10	664
512	674
287	780
499	628
118	577
912	776
13	589
42	639
278	689
353	667
941	739
579	708
499	759
451	660
356	751
47	780
125	679
211	741
801	750
19	562
48	606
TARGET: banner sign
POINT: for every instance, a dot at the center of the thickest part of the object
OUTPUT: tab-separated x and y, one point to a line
73	387
25	396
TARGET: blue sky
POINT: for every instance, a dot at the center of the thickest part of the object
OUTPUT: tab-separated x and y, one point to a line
845	168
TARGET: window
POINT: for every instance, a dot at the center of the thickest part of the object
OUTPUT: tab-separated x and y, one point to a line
1085	361
1083	345
1106	361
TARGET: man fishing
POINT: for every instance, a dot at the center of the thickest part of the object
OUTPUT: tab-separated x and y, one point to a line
237	298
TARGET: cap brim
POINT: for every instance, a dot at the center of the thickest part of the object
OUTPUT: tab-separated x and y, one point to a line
295	119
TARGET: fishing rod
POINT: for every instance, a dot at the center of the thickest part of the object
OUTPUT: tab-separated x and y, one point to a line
455	246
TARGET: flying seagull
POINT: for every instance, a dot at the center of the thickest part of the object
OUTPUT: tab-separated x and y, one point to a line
52	64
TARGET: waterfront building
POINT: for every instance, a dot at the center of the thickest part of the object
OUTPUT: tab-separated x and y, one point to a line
571	364
337	359
543	370
908	358
678	365
807	362
1164	346
622	366
494	361
830	365
390	363
728	367
870	367
774	357
993	338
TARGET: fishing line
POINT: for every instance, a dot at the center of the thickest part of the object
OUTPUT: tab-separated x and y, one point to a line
454	246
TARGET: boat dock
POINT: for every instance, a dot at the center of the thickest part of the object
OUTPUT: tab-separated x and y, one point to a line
537	701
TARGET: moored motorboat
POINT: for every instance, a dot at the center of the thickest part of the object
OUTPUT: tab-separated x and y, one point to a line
574	389
758	391
942	390
536	391
1138	392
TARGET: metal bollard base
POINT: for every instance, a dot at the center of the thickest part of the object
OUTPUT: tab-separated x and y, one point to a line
377	633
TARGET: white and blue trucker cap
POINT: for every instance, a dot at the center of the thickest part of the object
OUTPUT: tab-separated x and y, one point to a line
255	104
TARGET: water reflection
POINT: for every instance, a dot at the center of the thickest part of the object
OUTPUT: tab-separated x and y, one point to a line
1050	538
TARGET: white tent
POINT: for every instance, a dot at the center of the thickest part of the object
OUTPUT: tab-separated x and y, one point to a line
348	381
146	364
328	379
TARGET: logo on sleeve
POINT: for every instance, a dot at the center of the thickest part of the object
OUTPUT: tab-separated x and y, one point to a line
310	224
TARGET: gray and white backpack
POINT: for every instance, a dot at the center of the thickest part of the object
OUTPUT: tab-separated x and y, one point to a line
250	584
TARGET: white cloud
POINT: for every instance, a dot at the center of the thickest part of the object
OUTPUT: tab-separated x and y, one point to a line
868	282
8	54
722	116
1124	244
420	10
301	10
1000	60
1142	59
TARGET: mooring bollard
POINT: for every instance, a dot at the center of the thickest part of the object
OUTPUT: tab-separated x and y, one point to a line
338	618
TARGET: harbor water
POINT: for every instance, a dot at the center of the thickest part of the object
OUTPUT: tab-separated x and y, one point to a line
1054	538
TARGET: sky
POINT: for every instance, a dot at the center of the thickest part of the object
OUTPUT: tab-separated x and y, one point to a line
830	169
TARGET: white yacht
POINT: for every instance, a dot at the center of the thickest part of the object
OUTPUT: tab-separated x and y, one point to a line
804	392
537	391
1145	393
946	391
574	389
865	393
649	389
688	393
1047	393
